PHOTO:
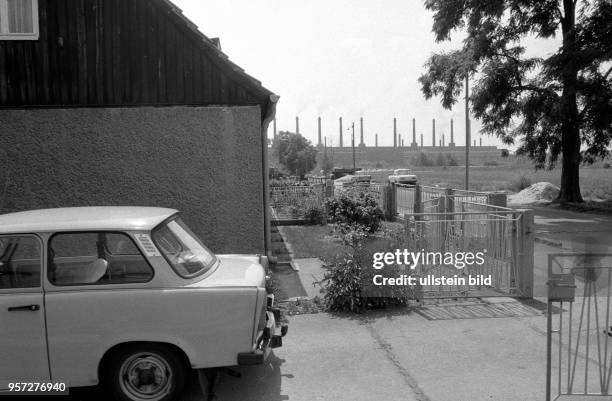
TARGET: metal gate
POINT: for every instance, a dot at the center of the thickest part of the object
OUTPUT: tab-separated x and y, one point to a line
504	237
579	348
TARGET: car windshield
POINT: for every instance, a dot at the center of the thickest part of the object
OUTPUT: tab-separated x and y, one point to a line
182	249
402	172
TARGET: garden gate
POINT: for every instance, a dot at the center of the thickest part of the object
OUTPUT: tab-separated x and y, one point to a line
579	363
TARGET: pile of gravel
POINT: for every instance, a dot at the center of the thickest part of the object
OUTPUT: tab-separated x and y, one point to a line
540	192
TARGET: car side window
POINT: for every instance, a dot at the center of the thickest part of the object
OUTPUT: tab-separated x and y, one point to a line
96	258
20	262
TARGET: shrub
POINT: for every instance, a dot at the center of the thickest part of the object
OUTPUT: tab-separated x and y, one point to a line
361	210
348	281
440	160
422	160
314	215
522	182
491	163
505	153
606	165
451	161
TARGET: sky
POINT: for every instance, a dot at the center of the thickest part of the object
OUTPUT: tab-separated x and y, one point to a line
340	58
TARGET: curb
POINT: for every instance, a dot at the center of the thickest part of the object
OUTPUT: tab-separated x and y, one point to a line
549	242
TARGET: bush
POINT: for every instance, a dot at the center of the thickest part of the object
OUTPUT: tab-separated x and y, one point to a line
522	182
440	160
422	160
314	215
451	161
505	153
362	210
491	163
348	281
606	165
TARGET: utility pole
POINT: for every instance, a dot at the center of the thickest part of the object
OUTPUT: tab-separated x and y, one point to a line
353	144
467	132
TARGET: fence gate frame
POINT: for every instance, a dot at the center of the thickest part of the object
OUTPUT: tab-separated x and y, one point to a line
563	289
495	225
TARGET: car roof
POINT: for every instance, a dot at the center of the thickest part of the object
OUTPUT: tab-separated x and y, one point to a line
84	218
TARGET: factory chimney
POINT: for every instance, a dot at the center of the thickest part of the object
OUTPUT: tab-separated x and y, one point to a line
414	142
361	131
433	130
341	132
452	141
376	140
297	125
319	121
394	132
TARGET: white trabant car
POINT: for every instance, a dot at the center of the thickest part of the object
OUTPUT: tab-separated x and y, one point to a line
403	176
125	296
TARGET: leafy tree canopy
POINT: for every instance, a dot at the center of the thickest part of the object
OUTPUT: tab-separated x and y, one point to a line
294	152
555	106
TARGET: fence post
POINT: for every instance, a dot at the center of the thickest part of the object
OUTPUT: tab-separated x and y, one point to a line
527	230
450	200
391	201
328	187
418	206
497	199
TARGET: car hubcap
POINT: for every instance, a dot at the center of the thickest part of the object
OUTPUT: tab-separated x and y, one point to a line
145	376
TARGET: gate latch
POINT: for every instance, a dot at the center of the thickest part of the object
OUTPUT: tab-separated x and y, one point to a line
561	288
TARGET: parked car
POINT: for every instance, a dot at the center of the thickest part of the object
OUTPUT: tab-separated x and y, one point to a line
403	176
125	296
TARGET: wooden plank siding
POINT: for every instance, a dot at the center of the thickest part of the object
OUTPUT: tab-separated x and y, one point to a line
119	53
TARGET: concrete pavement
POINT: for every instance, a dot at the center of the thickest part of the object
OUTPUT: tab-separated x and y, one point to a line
573	230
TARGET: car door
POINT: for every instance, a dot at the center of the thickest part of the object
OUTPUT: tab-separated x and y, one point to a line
23	346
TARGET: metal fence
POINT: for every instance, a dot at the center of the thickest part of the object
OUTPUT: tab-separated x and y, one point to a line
290	202
502	237
410	199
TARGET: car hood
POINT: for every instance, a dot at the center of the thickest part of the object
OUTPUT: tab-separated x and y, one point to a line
235	271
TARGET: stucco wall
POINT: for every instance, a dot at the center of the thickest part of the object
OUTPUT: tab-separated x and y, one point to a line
204	161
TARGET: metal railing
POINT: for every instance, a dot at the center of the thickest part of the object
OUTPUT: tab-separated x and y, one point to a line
293	202
504	238
410	199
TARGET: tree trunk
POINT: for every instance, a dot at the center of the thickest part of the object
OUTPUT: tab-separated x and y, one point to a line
570	137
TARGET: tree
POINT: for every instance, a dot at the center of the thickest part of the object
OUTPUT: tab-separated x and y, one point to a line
505	153
294	152
560	106
327	164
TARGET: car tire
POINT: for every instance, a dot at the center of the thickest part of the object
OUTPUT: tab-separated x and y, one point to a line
145	373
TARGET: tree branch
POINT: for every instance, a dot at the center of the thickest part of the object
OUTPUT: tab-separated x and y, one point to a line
534	88
607	73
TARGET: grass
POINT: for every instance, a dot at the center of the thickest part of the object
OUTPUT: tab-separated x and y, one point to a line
320	241
313	242
510	175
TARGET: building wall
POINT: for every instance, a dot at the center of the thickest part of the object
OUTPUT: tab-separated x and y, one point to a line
119	52
398	157
204	161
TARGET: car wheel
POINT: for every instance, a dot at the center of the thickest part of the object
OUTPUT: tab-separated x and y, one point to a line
147	372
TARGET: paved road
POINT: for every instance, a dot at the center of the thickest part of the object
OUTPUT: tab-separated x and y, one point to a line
588	232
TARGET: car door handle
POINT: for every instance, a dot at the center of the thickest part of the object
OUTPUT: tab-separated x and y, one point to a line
31	308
